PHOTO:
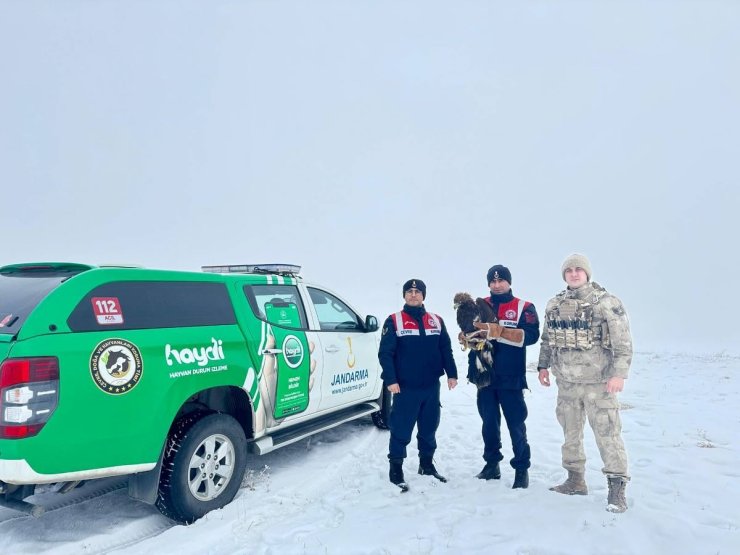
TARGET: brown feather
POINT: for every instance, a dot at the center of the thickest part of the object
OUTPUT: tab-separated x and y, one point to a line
467	312
486	311
470	311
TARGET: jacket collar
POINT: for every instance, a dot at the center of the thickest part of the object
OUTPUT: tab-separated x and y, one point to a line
586	292
415	311
502	298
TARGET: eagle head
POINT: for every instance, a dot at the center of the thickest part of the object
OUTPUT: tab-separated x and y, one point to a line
467	312
461	298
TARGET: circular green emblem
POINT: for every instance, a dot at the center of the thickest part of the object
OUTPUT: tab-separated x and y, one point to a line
292	351
116	366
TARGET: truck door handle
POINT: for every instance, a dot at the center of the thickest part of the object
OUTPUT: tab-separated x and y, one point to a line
271	351
332	349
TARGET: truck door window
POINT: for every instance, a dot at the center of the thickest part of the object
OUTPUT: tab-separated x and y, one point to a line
334	314
277	304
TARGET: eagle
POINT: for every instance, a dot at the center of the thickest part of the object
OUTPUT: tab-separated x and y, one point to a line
468	312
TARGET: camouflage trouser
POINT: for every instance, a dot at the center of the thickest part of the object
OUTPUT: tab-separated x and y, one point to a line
576	401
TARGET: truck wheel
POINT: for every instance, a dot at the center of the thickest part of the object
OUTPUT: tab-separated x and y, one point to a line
382	416
203	466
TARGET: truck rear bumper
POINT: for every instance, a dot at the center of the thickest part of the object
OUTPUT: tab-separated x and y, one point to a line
19	472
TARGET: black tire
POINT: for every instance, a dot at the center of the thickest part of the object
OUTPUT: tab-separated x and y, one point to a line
202	467
381	418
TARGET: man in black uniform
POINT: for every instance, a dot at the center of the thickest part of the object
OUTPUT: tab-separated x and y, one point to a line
516	327
415	350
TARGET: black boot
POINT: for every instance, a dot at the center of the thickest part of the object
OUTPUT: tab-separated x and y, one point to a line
426	468
521	479
396	471
490	472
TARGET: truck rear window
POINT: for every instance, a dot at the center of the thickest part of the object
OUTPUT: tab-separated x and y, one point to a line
20	294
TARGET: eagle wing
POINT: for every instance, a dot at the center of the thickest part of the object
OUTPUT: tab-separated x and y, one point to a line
485	311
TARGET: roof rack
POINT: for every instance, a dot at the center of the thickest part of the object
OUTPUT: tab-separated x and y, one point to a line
279	269
119	265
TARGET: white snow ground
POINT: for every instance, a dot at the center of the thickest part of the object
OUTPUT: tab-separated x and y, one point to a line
331	494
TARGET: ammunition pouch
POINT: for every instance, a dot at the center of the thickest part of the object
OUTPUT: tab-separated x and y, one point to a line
570	326
573	335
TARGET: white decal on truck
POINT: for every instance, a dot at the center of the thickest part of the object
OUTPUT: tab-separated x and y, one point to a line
200	355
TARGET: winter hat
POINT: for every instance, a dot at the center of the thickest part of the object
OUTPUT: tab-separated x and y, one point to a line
499	272
576	260
416	284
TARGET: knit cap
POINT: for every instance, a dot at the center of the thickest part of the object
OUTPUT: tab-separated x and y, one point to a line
576	260
498	272
416	284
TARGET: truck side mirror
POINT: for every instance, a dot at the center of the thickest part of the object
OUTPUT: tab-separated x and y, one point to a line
371	323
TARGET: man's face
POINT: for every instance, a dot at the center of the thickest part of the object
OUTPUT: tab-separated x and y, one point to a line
413	297
499	286
575	277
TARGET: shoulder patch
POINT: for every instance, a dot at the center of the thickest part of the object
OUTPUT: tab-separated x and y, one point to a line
618	310
530	317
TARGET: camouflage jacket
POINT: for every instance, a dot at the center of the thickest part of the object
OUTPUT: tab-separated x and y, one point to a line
611	353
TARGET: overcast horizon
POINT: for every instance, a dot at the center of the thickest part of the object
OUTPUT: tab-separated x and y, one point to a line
374	141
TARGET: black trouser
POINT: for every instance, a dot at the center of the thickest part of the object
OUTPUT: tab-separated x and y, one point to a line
411	407
491	402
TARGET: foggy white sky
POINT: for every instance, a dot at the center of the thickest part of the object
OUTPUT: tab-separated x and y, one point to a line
376	141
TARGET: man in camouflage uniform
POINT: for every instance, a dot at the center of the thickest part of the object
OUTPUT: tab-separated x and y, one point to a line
587	343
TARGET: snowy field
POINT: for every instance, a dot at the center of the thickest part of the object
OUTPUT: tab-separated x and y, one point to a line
330	494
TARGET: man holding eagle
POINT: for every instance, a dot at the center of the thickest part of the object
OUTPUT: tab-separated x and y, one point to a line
497	362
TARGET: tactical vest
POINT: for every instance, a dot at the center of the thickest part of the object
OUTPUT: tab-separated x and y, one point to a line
570	322
406	325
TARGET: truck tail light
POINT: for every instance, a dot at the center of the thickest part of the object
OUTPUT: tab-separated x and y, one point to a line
29	393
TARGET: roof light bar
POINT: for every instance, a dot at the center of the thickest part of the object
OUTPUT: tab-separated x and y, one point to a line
280	269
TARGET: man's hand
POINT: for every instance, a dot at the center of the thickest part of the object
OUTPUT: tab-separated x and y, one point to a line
451	383
394	388
544	377
493	331
614	385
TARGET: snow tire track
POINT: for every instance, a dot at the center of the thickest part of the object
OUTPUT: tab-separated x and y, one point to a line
143	533
62	512
55	501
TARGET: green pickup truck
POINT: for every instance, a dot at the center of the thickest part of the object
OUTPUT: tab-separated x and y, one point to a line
171	377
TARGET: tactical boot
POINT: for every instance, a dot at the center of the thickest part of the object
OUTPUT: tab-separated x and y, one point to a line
396	471
426	468
617	502
490	472
574	485
521	479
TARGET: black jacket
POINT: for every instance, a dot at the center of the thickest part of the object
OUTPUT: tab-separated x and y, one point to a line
415	361
510	362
